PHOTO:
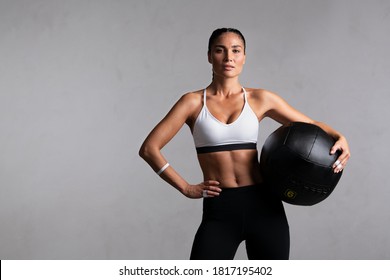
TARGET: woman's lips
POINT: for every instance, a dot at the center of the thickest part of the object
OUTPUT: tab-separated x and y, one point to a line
228	67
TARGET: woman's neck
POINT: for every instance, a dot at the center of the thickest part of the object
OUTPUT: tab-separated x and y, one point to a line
225	86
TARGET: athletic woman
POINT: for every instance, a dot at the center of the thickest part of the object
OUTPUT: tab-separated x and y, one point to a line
224	120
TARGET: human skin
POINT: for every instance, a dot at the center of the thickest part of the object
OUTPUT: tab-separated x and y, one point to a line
227	169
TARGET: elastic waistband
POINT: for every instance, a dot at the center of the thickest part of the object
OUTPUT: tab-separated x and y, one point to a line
228	147
242	190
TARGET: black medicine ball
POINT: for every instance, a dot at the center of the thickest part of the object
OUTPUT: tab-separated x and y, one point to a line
296	163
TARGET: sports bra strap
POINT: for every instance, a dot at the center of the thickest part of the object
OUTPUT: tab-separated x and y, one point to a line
245	97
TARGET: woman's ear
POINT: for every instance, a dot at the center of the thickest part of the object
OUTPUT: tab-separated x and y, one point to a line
209	58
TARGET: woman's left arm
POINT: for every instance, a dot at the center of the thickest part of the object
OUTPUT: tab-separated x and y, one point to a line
341	144
278	109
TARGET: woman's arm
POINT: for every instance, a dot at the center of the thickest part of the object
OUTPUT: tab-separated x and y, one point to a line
164	131
279	110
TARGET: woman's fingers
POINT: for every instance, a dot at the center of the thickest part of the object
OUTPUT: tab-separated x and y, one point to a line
210	188
341	162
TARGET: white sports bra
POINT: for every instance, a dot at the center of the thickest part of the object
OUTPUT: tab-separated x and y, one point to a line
211	135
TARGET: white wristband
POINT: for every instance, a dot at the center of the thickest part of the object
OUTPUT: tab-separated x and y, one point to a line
163	169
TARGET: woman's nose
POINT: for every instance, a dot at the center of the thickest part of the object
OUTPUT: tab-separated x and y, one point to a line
228	57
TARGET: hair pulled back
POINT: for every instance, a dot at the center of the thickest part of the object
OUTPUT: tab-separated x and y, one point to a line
218	32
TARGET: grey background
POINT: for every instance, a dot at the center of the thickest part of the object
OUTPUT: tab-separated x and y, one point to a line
83	82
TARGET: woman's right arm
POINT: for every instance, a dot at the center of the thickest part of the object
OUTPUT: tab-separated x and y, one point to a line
164	131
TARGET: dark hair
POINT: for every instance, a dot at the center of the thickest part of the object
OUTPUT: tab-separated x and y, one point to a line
218	32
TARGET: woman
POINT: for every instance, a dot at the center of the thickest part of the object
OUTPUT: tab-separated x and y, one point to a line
224	120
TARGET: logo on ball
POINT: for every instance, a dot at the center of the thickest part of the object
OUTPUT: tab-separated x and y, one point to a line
290	194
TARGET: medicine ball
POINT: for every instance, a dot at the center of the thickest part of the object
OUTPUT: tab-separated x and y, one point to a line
296	163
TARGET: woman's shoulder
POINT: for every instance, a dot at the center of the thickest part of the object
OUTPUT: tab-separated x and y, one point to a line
262	100
259	94
193	94
193	98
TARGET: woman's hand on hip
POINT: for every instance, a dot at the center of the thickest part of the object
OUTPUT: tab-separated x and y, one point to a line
205	189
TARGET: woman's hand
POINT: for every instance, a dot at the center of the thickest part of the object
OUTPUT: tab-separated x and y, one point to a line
206	189
340	145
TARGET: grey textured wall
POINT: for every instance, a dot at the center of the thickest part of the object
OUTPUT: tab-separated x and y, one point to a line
83	82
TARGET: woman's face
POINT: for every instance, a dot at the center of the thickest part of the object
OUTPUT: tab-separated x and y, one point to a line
227	55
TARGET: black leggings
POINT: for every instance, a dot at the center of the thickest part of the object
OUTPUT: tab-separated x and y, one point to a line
245	213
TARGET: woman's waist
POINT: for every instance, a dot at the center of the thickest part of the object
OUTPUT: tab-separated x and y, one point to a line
233	175
231	169
231	182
